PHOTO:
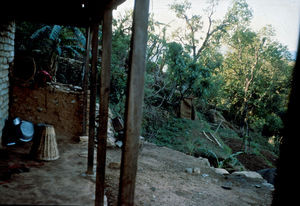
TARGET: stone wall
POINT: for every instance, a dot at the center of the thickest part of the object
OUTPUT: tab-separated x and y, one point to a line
56	104
7	36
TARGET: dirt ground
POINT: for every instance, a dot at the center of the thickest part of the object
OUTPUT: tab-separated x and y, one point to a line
161	179
252	161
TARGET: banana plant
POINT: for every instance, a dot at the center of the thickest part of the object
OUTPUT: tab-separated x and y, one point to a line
49	42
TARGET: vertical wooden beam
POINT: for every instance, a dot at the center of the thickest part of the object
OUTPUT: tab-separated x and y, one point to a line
85	80
104	101
93	93
134	101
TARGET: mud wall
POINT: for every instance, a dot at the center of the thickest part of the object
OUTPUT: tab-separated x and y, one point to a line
54	104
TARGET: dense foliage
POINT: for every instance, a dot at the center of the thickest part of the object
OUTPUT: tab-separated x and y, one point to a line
226	65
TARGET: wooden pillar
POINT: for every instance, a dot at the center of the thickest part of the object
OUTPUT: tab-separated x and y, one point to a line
93	93
85	80
134	101
104	101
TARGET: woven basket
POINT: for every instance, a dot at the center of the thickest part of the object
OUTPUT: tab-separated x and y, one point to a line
46	147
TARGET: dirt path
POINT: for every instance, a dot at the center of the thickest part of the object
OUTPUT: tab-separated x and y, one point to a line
161	180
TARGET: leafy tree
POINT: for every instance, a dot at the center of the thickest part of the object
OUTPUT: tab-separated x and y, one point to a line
193	36
195	56
119	62
256	73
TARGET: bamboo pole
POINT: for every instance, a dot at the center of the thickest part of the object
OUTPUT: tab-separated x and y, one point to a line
93	92
134	101
104	101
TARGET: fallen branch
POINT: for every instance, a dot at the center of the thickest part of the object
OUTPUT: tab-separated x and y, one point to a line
216	140
218	126
207	137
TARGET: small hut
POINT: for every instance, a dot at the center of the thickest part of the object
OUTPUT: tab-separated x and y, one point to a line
187	109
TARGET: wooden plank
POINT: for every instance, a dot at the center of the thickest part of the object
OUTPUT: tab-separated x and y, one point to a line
85	80
93	93
134	101
104	102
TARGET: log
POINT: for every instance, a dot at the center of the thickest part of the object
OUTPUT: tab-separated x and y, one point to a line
103	109
134	102
85	81
93	93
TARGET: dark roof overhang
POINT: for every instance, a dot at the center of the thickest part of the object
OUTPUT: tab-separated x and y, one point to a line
62	12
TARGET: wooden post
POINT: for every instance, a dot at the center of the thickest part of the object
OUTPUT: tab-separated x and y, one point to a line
93	93
85	79
104	100
134	101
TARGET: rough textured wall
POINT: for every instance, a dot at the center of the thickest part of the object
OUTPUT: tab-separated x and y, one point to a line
55	104
7	39
69	71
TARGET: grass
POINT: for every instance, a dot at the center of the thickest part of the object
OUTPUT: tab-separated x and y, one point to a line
187	136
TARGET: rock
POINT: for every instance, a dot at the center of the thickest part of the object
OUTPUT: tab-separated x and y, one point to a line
83	138
104	202
221	171
248	174
227	186
189	170
40	109
114	165
204	161
268	174
110	141
141	143
268	185
205	175
215	116
110	132
197	170
83	154
83	175
77	88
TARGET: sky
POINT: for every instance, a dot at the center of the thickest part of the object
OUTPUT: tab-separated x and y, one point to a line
283	15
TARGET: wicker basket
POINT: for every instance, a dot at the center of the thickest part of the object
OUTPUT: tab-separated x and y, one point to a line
45	146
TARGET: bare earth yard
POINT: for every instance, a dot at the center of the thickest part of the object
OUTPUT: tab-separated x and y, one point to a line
161	179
